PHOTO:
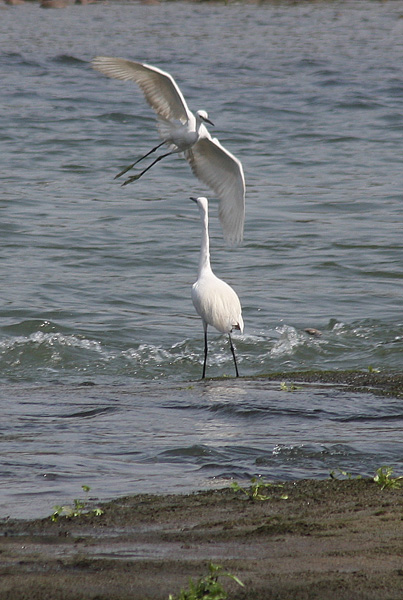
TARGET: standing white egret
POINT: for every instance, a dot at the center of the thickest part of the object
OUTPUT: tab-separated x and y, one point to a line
214	300
185	132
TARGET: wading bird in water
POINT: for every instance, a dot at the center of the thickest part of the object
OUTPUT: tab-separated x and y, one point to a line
183	131
214	300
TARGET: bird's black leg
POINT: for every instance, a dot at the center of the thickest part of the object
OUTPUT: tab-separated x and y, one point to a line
138	160
135	177
233	354
205	351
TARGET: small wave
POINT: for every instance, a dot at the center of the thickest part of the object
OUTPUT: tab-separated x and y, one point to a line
147	353
52	352
17	59
311	460
27	357
189	452
310	451
35	348
116	117
50	340
88	414
379	335
377	418
291	339
67	59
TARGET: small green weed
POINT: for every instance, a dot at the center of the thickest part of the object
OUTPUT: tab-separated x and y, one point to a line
77	509
288	387
254	492
383	477
207	587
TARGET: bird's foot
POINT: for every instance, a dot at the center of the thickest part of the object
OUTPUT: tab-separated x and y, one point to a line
124	171
131	179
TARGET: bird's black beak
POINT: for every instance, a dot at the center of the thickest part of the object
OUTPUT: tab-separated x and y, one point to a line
207	121
194	199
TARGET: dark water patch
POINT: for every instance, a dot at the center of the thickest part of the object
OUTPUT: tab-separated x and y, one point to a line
358	102
87	414
378	418
188	453
268	411
19	60
68	59
119	117
309	63
75	168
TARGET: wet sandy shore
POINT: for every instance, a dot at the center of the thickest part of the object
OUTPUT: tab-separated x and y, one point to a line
383	384
330	539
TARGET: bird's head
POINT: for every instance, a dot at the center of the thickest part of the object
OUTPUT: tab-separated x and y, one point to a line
203	116
201	202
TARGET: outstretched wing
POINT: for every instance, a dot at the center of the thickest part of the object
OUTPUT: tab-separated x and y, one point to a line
158	87
223	173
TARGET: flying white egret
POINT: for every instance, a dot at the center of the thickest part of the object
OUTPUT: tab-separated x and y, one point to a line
214	300
185	132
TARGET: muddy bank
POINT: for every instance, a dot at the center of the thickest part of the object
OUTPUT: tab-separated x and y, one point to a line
66	3
310	540
384	384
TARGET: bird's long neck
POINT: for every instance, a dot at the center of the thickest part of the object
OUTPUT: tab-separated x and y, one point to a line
204	260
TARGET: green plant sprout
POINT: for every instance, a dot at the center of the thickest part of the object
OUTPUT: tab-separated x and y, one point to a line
254	492
78	508
207	587
383	477
288	387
